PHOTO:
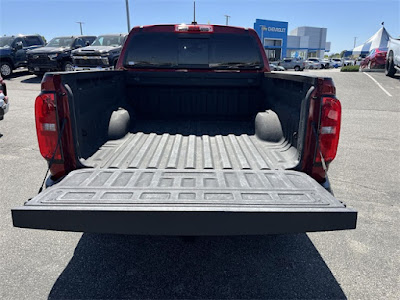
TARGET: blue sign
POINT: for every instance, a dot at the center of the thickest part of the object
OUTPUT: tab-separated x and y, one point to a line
273	34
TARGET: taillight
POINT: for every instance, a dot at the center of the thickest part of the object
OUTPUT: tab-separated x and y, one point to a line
46	126
329	129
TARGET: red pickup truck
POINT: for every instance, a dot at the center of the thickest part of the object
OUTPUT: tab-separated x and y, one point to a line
191	135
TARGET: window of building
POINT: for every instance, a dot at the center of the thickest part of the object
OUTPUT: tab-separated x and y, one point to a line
297	53
273	54
272	42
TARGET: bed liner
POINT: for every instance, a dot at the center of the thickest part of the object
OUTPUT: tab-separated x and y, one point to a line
194	145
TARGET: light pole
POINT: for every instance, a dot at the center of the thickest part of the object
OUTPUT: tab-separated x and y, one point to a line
127	15
227	19
355	41
80	25
262	35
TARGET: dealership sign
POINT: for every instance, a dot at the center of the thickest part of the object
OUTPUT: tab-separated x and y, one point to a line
276	29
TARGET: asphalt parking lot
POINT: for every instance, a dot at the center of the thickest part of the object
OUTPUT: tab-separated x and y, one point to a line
357	264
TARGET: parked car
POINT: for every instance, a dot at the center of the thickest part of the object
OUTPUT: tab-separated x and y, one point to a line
335	62
359	60
4	103
187	141
274	67
375	59
393	58
56	55
13	51
348	61
319	62
326	62
103	53
312	65
292	63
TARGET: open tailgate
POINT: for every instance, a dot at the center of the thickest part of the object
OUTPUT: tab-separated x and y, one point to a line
185	202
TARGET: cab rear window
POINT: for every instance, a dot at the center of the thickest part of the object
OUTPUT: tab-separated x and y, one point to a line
182	50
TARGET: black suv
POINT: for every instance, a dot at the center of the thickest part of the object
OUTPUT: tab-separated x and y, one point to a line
56	55
102	54
13	51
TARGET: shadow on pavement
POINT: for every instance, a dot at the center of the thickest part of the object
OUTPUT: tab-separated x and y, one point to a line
268	267
35	79
18	73
397	76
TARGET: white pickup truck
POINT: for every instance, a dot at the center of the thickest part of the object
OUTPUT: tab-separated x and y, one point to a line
393	58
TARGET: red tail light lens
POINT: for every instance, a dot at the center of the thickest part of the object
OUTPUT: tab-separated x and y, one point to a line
46	126
329	131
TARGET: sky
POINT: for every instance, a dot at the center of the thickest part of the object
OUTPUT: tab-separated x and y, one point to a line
343	19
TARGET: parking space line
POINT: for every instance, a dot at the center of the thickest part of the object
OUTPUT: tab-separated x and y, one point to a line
382	88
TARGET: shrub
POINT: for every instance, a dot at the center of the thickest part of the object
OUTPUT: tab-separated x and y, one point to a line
350	69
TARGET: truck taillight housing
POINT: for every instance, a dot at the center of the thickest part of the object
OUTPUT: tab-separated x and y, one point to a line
329	130
46	126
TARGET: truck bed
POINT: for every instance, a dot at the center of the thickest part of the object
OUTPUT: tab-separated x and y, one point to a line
187	154
194	145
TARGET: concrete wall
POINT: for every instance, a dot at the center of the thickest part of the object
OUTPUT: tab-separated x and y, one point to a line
293	41
317	36
328	46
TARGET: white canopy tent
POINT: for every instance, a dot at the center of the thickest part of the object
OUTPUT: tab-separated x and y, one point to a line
379	40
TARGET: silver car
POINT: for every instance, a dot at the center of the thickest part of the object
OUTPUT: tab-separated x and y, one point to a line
275	67
293	63
318	61
312	65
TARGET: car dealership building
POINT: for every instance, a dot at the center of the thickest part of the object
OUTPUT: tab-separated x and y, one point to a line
302	41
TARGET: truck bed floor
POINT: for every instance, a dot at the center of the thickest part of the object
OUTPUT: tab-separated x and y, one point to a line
193	145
